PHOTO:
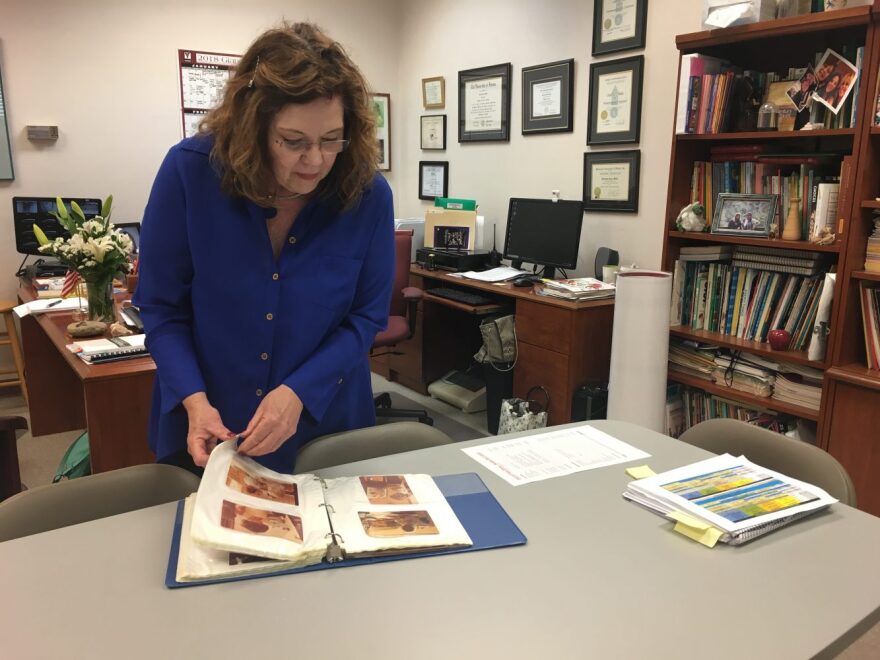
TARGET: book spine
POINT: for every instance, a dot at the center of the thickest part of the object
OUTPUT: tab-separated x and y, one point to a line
693	108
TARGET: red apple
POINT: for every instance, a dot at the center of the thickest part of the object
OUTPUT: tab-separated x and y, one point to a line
779	339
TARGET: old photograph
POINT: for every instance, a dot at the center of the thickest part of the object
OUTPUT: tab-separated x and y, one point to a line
247	519
397	523
391	489
238	478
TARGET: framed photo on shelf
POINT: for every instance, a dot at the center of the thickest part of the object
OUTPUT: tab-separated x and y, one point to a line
615	115
484	104
433	132
433	179
434	93
548	98
611	181
619	25
382	109
744	215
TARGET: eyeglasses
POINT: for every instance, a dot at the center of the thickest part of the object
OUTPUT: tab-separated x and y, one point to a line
300	147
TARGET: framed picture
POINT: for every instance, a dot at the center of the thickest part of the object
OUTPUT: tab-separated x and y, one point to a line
484	104
433	179
744	215
548	98
618	25
433	132
615	101
434	93
382	108
7	172
611	181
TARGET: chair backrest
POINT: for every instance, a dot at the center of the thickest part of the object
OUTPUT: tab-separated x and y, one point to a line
370	442
96	496
793	458
402	247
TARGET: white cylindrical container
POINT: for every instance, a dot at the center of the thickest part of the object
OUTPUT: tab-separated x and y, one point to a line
640	349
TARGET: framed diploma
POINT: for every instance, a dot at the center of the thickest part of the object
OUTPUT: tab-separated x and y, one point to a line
548	97
382	109
611	181
434	93
484	104
615	101
618	25
433	132
433	179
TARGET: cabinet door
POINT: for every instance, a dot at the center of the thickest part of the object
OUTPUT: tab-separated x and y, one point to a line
854	440
538	366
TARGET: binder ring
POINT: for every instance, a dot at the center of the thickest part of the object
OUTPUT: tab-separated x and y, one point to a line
336	536
329	507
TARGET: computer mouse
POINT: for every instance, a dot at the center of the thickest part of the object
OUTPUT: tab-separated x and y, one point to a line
524	281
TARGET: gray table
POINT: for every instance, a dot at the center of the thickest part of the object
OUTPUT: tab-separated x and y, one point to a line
599	577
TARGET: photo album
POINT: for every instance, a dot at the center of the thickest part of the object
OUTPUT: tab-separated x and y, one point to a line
246	519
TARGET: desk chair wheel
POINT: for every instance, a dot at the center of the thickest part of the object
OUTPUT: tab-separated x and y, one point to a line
382	401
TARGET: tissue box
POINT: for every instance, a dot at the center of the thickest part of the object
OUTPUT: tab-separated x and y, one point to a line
726	13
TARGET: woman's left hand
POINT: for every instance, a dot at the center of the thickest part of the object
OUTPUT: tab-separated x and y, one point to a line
274	422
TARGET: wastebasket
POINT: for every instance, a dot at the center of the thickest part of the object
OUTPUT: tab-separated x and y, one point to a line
499	385
589	402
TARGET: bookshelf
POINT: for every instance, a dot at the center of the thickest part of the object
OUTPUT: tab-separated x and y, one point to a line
848	419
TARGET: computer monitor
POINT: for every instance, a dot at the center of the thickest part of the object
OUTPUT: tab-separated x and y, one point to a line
543	232
27	211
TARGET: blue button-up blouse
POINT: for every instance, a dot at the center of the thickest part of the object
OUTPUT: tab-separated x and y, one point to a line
223	316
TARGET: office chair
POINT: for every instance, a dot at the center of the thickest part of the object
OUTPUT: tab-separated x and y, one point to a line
793	458
10	477
401	322
370	442
96	496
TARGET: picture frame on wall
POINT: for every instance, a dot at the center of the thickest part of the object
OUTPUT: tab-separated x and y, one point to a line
382	108
548	98
615	112
433	132
611	181
739	214
433	179
434	93
484	104
619	25
7	171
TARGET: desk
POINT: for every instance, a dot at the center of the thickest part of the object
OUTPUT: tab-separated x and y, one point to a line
562	344
599	578
111	401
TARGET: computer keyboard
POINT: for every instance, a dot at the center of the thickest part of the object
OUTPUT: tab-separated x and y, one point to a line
460	296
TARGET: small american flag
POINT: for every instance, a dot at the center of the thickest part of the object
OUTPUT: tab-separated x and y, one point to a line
70	281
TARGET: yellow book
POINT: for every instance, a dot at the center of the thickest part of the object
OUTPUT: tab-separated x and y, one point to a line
740	282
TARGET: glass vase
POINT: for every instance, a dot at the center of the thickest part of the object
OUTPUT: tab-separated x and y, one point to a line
100	298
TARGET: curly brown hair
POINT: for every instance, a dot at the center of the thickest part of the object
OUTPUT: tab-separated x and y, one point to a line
294	63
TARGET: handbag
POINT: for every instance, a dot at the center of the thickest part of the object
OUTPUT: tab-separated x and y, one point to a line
524	414
75	462
499	343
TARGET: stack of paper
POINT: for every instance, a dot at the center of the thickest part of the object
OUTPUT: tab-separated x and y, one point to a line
727	498
692	358
744	374
799	385
872	255
581	288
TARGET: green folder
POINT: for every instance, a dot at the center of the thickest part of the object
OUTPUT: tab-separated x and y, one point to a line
455	204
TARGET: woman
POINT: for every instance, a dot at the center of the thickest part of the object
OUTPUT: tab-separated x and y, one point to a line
831	90
266	259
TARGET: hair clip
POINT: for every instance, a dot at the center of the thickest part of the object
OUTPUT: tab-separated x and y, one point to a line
254	75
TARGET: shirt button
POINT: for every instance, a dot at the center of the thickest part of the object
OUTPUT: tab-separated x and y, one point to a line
339	382
259	392
264	356
274	276
269	316
291	239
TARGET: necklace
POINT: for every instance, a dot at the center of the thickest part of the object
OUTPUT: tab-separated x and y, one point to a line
292	196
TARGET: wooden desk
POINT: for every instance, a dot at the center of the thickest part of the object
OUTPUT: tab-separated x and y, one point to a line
562	345
111	401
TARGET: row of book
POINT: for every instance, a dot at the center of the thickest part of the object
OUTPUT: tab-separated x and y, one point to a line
870	299
872	255
756	292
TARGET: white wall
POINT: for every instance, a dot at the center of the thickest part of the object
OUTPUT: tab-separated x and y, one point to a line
442	37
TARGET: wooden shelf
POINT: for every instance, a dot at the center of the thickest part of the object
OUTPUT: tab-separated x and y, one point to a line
875	130
748	400
865	275
871	204
856	374
818	22
742	240
754	136
758	348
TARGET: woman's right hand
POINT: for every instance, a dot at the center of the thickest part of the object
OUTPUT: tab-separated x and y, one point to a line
206	428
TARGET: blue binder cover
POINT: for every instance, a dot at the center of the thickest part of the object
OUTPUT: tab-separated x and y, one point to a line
486	522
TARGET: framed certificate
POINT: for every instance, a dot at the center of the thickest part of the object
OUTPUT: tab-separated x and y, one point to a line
611	181
619	25
484	104
433	179
615	101
434	93
548	98
382	108
433	132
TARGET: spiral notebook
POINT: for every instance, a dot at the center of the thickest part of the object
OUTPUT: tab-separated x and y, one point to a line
96	351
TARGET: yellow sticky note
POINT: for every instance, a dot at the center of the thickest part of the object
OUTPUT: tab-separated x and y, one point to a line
640	472
695	529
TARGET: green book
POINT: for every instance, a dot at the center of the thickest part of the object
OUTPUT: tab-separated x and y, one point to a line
455	204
